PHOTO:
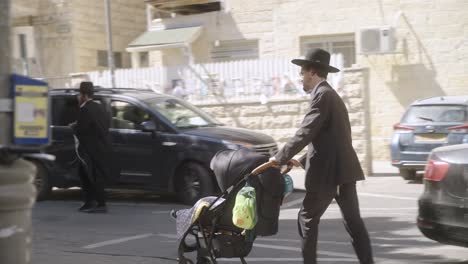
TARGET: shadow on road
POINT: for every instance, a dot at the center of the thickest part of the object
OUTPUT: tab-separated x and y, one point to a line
393	241
114	195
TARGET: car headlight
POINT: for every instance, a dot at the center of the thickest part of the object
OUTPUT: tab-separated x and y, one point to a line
235	145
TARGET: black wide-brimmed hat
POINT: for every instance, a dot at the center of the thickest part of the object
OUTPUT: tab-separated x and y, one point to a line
317	58
87	88
86	85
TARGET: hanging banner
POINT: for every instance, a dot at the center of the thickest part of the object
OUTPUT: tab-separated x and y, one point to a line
31	111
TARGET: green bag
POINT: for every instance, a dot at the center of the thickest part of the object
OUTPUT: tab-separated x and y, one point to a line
244	213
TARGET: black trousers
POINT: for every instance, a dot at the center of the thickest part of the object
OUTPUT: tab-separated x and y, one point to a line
313	207
92	177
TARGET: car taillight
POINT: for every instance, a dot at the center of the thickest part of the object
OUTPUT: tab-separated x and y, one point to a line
436	170
400	127
459	129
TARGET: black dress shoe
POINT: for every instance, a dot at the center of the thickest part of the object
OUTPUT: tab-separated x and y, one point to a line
86	206
96	209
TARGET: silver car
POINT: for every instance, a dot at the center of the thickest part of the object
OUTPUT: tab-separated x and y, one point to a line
427	124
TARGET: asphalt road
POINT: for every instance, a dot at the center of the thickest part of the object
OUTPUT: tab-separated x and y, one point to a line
138	230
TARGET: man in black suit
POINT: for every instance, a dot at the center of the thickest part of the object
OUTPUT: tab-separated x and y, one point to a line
331	164
93	149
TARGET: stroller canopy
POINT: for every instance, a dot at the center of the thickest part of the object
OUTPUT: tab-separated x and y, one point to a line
231	165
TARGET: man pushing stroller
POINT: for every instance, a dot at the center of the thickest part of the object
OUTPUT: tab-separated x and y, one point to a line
331	164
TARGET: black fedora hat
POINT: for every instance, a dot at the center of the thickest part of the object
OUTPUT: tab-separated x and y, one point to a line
318	58
86	85
87	88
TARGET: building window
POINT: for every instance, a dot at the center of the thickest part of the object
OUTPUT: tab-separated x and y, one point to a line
341	44
23	46
102	59
144	59
235	50
23	50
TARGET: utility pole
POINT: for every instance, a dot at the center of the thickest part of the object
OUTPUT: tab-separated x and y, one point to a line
16	189
110	53
5	102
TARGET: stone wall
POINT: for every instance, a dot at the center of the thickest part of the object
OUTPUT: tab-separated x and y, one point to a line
52	41
89	30
431	56
281	118
68	34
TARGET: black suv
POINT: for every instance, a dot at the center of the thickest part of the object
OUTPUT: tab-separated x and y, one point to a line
160	143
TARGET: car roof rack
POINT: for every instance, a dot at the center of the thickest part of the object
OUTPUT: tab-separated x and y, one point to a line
102	89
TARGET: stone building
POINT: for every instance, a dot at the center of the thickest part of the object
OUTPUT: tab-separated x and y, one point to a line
53	38
411	49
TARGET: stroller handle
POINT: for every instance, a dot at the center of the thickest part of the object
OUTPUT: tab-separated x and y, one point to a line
267	165
287	169
262	168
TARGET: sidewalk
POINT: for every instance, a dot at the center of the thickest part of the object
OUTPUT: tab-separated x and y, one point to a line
383	168
380	168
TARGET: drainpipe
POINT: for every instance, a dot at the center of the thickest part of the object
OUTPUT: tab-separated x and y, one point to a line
110	54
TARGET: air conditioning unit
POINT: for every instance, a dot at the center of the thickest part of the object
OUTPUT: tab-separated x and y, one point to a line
377	40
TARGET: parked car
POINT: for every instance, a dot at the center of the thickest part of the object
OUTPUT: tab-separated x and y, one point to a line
160	143
427	124
443	207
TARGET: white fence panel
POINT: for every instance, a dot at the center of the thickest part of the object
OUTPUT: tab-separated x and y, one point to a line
234	80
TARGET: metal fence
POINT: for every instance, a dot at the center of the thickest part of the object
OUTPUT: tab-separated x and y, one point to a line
261	79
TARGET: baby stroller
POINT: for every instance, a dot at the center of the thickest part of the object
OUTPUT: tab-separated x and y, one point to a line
209	222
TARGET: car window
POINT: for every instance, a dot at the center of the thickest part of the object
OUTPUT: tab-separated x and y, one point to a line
435	113
64	110
181	114
127	116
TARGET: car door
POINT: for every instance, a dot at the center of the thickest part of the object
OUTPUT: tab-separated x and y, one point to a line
135	149
64	112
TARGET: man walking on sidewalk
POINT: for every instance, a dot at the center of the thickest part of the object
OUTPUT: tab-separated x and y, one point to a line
93	149
331	164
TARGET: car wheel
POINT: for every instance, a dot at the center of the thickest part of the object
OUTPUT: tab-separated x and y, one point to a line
193	182
41	182
408	174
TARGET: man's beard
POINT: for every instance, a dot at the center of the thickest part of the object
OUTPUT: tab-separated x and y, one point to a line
306	89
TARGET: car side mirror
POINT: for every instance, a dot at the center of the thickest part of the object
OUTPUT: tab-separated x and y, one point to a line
149	126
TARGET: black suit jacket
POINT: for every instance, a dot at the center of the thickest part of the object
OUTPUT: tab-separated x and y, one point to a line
326	130
92	131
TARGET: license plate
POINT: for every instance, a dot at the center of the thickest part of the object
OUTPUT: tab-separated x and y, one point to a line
432	138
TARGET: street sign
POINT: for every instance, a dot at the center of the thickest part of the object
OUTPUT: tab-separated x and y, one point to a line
31	111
